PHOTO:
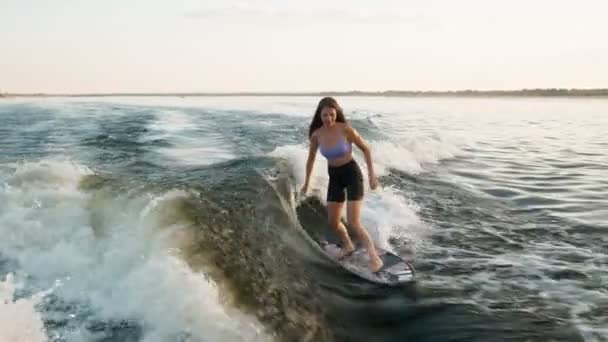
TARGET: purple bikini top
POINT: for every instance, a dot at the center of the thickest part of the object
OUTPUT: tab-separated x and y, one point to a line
341	149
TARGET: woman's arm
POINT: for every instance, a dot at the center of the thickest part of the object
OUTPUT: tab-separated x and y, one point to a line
312	153
356	138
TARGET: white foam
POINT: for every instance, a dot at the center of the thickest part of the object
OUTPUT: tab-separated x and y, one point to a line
301	106
411	155
196	155
388	213
297	155
19	320
111	252
52	172
188	148
42	206
172	121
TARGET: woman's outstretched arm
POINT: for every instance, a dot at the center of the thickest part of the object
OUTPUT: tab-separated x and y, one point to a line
310	162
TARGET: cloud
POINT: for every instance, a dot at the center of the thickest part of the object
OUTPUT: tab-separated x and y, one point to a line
372	16
234	11
264	10
239	9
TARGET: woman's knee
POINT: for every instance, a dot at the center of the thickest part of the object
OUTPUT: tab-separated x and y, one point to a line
353	218
354	223
334	220
334	224
334	213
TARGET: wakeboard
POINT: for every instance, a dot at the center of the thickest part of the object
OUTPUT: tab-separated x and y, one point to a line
395	270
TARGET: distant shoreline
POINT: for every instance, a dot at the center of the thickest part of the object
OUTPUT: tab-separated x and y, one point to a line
545	92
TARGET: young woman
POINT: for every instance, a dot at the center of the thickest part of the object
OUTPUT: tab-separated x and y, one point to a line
333	136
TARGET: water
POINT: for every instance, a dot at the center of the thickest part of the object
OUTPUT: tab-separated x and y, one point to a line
173	219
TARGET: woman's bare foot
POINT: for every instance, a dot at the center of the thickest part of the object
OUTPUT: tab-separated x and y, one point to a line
375	264
346	251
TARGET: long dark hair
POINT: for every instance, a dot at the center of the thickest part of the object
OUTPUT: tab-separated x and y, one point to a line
316	120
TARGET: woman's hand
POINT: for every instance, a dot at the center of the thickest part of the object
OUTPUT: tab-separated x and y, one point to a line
304	189
373	182
312	152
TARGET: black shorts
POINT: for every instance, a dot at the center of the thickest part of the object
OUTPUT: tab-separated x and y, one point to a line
345	177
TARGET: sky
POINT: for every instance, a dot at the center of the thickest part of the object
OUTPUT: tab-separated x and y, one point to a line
92	46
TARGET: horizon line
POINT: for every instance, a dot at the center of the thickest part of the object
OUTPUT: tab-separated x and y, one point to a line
523	91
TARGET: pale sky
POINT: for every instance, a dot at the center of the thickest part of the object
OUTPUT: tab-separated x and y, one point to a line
84	46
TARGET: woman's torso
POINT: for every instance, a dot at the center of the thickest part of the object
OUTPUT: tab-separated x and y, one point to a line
334	145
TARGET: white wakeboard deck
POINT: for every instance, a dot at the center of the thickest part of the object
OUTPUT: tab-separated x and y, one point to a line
394	271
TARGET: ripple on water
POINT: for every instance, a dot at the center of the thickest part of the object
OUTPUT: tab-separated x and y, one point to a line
502	192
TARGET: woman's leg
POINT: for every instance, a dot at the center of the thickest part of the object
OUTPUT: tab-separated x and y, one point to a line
334	211
354	222
356	191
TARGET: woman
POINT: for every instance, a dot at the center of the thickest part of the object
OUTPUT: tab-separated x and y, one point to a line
330	133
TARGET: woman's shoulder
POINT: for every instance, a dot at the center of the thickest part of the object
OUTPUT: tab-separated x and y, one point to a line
346	128
315	134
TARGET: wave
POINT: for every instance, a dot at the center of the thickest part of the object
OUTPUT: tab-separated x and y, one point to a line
106	258
212	252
